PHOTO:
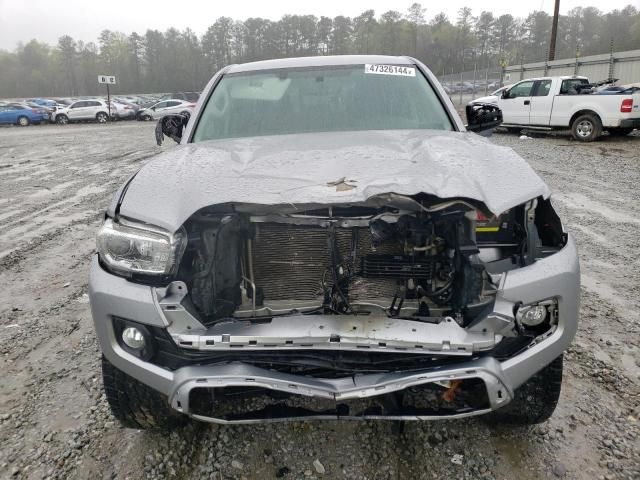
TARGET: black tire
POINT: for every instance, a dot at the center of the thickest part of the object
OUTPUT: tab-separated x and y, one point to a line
620	132
23	121
146	118
136	405
534	401
102	117
62	119
586	127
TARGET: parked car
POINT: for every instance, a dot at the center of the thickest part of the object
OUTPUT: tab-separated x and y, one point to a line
42	101
310	251
492	97
63	101
47	109
619	89
123	111
83	110
188	96
549	103
165	107
21	114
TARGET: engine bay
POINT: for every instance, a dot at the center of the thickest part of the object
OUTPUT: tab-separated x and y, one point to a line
422	263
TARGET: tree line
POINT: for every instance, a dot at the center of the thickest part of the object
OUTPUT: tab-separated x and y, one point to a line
176	60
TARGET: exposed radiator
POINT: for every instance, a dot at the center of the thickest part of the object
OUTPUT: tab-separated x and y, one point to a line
289	262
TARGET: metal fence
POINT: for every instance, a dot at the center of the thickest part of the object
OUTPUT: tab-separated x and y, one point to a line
624	66
464	86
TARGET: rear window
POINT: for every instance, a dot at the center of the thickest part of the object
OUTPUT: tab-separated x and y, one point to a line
569	86
322	99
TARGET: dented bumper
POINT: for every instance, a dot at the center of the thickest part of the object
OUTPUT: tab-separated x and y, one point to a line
556	276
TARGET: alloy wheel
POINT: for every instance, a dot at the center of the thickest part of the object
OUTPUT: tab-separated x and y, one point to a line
585	128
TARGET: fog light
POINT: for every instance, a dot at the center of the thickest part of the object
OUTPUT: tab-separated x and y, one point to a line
133	338
532	315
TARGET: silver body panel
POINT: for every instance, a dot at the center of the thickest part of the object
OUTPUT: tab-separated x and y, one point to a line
300	171
556	276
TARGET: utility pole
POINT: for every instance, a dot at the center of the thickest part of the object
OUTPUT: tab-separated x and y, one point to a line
554	31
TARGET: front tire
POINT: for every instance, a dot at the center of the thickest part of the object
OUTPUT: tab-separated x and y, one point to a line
102	117
136	405
62	119
23	121
534	401
586	128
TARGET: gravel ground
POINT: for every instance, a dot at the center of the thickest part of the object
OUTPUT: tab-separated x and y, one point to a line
54	421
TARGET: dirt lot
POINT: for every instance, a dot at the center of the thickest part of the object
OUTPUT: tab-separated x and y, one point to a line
54	422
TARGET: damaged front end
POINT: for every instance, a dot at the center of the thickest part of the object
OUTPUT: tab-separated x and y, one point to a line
397	307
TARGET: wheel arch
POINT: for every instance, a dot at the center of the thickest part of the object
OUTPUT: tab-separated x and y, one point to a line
585	111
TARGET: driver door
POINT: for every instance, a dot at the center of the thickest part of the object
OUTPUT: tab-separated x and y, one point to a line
76	110
13	112
516	104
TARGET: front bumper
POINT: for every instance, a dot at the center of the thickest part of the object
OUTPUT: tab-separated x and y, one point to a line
557	276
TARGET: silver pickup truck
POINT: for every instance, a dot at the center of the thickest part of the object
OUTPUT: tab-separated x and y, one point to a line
329	241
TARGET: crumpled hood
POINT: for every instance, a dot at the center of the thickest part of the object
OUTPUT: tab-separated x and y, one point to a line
328	168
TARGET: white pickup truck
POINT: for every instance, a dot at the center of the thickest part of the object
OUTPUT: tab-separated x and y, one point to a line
548	103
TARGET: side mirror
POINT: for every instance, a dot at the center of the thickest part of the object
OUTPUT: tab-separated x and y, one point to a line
171	126
505	93
482	118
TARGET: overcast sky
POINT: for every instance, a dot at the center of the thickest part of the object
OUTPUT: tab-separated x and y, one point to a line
46	20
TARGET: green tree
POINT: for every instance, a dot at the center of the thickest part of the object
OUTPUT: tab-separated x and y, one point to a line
415	17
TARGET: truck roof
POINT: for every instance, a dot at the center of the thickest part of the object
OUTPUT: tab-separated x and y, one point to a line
331	60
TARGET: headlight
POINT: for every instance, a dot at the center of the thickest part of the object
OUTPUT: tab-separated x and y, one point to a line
129	248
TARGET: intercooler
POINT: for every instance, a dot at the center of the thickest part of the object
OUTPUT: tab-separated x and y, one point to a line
292	261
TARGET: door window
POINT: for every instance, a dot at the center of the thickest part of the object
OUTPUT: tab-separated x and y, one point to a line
78	105
160	105
173	103
522	89
543	87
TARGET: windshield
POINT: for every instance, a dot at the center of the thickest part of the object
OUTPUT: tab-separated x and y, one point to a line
321	99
